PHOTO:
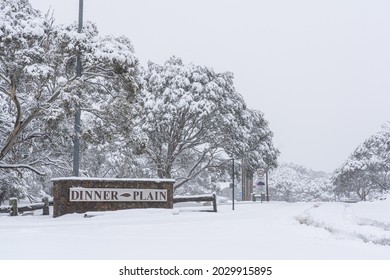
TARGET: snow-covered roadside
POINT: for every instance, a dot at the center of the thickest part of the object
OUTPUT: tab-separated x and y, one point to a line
362	221
274	230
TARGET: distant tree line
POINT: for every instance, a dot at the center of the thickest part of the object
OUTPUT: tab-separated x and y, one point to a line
364	175
294	183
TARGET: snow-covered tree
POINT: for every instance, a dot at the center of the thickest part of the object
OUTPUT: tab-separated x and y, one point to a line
367	170
192	117
39	87
258	149
291	182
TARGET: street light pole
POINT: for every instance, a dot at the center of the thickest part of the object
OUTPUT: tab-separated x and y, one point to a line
233	184
77	123
266	185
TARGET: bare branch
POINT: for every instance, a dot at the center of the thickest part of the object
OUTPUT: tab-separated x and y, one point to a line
19	127
100	85
194	172
21	166
95	112
58	91
5	78
3	90
90	75
381	185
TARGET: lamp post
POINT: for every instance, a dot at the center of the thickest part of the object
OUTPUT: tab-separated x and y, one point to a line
266	185
233	184
77	123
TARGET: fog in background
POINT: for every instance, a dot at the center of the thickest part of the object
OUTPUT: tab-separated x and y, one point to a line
318	70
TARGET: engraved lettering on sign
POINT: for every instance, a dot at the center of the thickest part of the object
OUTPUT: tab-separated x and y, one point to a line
112	195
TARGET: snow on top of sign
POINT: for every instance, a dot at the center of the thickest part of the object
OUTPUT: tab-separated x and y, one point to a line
157	180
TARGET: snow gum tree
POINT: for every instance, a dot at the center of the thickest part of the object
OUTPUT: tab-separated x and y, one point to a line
255	141
39	87
193	117
367	170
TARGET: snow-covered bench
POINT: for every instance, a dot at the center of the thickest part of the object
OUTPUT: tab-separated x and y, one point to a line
198	198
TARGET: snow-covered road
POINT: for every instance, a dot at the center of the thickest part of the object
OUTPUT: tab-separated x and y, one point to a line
275	230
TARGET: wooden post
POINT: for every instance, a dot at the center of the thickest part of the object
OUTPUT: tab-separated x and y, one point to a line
214	202
46	210
13	202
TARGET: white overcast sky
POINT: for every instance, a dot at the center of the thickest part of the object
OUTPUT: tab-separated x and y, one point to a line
319	70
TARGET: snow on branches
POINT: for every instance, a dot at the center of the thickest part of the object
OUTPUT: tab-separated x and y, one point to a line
367	169
39	87
193	116
173	120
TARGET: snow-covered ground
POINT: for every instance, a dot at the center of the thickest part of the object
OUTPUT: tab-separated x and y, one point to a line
274	230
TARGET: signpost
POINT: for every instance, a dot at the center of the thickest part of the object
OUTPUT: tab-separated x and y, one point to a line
263	174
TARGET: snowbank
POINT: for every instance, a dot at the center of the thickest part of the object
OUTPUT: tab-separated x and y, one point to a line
275	230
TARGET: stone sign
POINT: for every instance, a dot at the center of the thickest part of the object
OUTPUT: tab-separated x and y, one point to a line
80	195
